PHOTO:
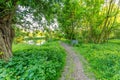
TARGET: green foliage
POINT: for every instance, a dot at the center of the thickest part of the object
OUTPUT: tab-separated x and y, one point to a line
34	62
104	59
69	18
91	20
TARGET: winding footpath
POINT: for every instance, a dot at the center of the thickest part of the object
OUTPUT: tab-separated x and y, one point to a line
73	69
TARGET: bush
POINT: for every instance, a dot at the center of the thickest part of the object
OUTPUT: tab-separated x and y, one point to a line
34	63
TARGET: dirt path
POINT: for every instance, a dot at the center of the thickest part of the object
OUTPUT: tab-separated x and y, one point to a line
73	69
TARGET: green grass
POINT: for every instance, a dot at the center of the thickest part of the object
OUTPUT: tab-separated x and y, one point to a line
104	59
31	62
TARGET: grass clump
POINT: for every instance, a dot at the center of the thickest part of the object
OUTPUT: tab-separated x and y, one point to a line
104	59
31	62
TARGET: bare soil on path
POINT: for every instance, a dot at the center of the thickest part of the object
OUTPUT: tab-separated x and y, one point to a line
73	69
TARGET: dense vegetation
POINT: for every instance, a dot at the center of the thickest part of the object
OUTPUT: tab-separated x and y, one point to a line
34	62
92	22
104	59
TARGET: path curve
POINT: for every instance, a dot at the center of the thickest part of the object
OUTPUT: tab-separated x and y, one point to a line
73	69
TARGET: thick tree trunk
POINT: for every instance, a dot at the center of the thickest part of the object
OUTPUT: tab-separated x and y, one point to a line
6	38
6	31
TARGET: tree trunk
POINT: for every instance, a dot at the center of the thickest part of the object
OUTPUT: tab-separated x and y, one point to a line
6	31
6	38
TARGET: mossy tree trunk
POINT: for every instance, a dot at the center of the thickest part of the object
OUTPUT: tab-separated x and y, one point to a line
6	38
8	10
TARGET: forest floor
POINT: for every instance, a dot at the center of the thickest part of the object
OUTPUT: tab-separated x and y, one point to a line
74	68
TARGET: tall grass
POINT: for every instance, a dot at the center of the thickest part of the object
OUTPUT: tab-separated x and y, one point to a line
104	59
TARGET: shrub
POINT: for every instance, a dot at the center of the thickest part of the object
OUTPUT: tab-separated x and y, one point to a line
34	63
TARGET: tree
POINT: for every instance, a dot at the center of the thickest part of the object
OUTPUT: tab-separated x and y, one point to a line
7	11
69	18
109	22
10	14
95	19
99	18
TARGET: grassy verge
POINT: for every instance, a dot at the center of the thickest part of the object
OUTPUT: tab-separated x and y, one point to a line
104	59
31	62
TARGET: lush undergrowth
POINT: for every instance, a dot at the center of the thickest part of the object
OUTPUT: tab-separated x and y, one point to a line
31	62
104	59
